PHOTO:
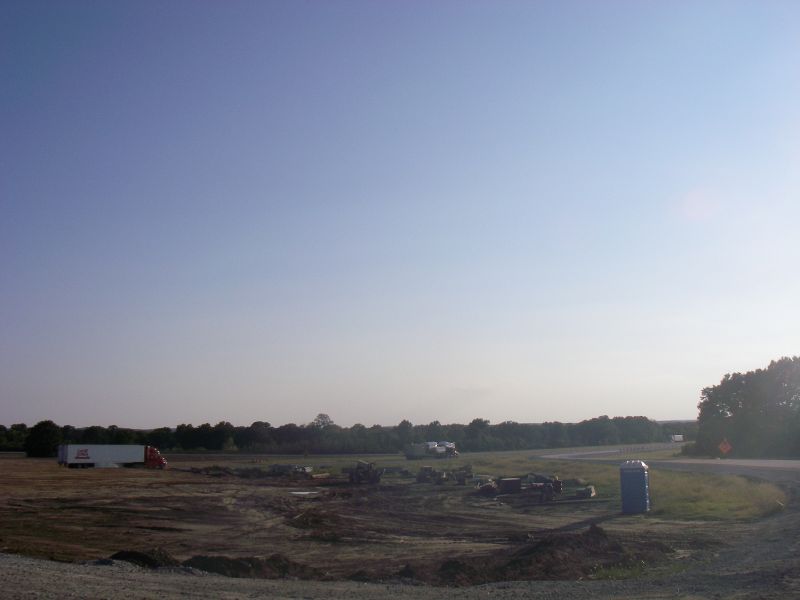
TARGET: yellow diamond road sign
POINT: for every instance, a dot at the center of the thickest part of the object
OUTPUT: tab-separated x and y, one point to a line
725	446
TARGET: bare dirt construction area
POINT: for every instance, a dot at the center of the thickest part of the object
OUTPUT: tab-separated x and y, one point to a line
282	536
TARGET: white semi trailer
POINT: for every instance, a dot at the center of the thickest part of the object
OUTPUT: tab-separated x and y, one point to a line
110	455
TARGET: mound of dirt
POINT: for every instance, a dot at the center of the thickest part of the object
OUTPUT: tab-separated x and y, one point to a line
251	473
560	556
565	556
213	471
361	575
242	473
276	566
457	572
407	572
576	556
150	559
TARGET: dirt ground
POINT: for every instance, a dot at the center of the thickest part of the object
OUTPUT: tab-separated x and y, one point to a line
194	518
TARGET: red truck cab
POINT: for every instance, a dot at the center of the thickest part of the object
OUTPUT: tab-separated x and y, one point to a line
153	458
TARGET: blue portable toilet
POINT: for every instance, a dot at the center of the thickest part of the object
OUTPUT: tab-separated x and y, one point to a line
635	484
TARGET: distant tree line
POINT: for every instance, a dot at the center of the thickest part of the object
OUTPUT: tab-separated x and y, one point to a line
757	412
323	436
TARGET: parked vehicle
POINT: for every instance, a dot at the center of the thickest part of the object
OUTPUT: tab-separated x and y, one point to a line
285	470
110	455
364	472
428	474
430	450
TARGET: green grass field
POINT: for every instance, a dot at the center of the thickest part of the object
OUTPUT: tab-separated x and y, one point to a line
679	495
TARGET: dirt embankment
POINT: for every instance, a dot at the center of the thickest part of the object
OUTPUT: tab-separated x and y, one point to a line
567	556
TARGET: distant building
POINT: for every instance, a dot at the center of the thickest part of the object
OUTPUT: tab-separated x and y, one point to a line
676	437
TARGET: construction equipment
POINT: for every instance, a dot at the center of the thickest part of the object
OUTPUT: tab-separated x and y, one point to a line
532	487
463	474
548	487
365	472
428	474
284	470
553	480
510	485
488	488
546	491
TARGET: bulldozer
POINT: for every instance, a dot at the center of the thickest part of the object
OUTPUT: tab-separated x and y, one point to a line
365	472
463	475
548	487
428	474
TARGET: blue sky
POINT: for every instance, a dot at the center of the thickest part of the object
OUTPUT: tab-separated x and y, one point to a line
516	211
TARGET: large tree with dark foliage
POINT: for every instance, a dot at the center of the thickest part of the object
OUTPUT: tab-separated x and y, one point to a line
43	439
758	412
13	438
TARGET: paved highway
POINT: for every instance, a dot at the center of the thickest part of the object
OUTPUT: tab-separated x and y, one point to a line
774	470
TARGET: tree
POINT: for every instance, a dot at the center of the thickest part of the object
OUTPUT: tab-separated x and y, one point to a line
185	436
476	435
15	436
256	437
43	439
758	412
598	431
556	435
94	435
204	437
69	435
290	436
405	432
162	438
321	421
222	436
434	431
118	435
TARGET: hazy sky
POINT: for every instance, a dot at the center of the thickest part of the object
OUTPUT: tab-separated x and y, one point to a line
428	210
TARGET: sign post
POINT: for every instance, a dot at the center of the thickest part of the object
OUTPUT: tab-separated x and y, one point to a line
725	446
